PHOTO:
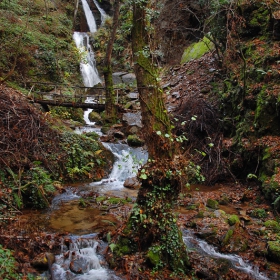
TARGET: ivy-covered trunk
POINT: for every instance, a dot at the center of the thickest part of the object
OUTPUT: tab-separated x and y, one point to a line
152	227
110	108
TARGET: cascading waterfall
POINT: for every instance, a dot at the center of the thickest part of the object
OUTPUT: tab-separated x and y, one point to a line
87	64
89	16
101	11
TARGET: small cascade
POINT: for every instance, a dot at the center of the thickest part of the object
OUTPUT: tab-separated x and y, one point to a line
101	11
87	64
127	162
80	261
237	262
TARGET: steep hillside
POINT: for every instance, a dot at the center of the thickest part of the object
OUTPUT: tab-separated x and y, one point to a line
36	42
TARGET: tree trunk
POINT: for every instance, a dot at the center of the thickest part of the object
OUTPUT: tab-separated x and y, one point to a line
110	108
154	114
152	227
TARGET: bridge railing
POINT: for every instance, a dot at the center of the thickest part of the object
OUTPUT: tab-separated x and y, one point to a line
66	93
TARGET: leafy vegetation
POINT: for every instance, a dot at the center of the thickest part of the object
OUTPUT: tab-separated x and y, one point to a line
36	42
8	265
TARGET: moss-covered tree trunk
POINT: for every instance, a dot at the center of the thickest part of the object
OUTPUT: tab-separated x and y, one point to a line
152	227
110	107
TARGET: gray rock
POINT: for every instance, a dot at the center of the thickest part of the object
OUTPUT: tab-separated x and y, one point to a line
132	183
117	77
133	119
129	79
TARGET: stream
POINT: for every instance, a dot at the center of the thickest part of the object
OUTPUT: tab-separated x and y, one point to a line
82	258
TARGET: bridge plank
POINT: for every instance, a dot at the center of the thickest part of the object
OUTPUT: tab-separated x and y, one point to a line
98	107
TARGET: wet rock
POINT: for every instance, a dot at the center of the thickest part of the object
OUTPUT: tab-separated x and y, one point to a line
40	262
206	234
77	266
134	141
118	134
132	183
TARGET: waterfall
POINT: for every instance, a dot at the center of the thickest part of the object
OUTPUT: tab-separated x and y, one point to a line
87	64
89	16
101	11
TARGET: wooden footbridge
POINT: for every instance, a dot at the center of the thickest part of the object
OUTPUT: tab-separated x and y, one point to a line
69	96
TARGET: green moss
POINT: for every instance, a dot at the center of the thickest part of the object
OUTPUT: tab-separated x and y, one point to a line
272	224
211	203
191	207
228	237
273	250
100	198
92	135
200	214
233	219
94	117
154	256
197	50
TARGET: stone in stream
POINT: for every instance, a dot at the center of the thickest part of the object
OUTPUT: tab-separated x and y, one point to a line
131	183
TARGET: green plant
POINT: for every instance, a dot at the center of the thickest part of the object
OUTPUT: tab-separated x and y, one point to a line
259	213
8	265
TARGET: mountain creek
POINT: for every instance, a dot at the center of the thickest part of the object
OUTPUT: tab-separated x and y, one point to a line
225	216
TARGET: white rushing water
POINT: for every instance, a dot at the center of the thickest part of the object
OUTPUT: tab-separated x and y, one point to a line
87	64
89	16
127	162
237	262
101	11
80	261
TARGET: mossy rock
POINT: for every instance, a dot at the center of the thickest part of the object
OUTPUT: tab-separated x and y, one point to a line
273	251
134	141
211	203
92	135
197	50
233	219
272	224
105	128
95	117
